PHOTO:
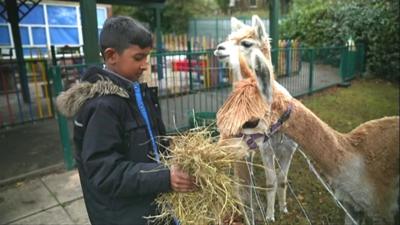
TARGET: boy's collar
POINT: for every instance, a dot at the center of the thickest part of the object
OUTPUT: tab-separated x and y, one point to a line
116	74
122	80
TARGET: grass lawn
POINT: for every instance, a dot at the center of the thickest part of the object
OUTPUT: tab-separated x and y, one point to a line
343	109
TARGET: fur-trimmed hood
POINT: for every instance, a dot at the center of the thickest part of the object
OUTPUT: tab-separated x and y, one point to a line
96	82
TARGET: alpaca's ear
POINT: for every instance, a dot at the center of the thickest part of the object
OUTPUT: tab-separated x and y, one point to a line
236	24
258	24
263	76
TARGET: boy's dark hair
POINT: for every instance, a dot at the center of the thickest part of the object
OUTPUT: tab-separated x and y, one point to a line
120	32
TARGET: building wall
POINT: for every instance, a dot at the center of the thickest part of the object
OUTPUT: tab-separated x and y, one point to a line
260	4
250	4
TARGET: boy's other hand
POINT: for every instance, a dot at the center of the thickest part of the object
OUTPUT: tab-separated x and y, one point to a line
181	181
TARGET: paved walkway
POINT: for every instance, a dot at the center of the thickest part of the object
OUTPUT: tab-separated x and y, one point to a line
53	199
28	149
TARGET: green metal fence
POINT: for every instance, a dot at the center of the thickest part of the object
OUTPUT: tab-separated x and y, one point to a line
195	83
217	28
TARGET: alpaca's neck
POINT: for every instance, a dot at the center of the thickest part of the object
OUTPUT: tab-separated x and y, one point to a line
323	144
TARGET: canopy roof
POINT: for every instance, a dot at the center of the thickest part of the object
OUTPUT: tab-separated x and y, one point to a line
129	2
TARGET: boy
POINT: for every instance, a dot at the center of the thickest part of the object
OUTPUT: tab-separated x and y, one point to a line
117	121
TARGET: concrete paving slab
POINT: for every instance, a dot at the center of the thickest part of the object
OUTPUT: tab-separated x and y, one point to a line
23	199
29	147
78	213
56	215
65	186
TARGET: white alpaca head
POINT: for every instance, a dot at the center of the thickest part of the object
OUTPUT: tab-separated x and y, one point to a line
252	44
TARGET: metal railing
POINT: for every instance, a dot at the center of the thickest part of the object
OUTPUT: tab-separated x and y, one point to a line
190	83
14	109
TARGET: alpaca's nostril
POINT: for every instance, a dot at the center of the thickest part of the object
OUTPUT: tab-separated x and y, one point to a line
220	48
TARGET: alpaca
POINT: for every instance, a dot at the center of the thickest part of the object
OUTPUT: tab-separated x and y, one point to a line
279	146
362	166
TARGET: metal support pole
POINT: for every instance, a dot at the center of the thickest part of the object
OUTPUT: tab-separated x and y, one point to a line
89	31
274	10
189	57
13	18
62	122
311	71
217	30
344	63
53	55
159	43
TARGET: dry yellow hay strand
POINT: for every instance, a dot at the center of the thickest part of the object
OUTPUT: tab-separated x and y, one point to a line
211	164
244	103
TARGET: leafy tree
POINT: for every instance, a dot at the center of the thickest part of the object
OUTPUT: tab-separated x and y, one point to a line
175	14
223	5
372	22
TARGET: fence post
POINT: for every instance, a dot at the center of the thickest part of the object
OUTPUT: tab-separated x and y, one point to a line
217	29
343	64
62	121
189	56
361	58
160	74
53	55
311	71
351	51
288	57
50	92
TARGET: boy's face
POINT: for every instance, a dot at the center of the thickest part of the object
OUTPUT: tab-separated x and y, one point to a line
130	63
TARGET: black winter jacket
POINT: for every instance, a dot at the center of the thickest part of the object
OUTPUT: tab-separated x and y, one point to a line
114	155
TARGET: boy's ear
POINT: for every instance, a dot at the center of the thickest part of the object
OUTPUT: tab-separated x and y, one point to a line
110	55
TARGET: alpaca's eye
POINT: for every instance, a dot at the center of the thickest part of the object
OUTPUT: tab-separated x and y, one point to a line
246	44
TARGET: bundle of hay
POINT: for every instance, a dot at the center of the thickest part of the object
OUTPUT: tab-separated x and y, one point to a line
212	166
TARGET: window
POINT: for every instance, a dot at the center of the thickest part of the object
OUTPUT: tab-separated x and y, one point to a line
253	3
4	36
101	16
24	35
39	36
4	31
35	16
1	18
64	36
48	24
61	15
63	25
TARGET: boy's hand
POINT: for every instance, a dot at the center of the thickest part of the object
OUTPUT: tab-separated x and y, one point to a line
181	181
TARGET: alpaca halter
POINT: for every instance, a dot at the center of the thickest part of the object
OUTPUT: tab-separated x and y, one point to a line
251	142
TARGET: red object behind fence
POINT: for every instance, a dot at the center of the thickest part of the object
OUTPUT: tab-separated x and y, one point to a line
182	65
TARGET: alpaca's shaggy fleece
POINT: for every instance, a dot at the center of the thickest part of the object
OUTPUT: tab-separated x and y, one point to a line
245	103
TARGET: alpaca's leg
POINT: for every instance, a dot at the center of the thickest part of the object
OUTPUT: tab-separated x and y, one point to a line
267	156
243	189
250	168
283	170
284	153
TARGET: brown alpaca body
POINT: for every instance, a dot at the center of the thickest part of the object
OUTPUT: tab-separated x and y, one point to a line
362	165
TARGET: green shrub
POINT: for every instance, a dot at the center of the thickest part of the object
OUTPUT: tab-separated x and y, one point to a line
371	22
